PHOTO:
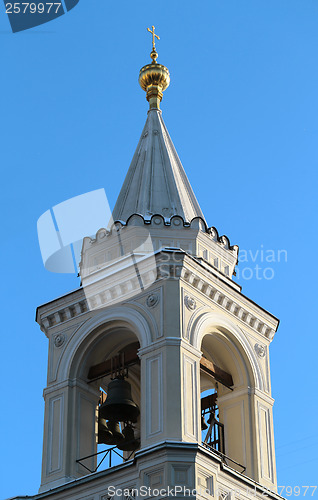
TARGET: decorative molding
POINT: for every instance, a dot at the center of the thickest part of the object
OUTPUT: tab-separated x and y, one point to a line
155	477
226	302
260	350
188	320
190	303
55	434
153	313
224	494
59	339
177	221
89	331
249	391
190	395
175	341
206	482
154	395
181	474
152	300
63	315
222	296
265	442
57	387
196	222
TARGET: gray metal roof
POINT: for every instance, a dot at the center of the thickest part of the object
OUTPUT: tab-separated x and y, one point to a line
156	182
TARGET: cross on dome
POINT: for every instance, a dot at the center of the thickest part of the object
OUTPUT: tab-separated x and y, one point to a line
153	37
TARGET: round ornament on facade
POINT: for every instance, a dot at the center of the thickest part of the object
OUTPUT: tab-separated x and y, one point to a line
224	242
190	303
152	300
176	222
157	220
101	234
260	350
59	340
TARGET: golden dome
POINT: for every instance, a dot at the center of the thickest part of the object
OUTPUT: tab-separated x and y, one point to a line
154	74
154	78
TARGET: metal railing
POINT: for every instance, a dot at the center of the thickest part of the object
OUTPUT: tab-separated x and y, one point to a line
107	453
223	457
214	442
215	436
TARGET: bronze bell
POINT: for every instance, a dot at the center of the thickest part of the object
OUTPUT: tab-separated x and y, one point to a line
204	425
119	405
104	433
117	436
129	443
212	419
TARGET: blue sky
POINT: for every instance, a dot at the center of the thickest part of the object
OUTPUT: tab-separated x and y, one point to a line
242	111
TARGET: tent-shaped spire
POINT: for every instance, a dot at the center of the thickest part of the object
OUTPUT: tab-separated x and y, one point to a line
156	182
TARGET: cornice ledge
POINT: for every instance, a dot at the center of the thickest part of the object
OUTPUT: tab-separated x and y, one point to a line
61	315
59	386
247	391
164	445
169	341
223	298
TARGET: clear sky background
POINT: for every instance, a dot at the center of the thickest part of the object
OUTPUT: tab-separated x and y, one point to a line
242	110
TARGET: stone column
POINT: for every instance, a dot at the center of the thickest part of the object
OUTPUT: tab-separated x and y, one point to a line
69	432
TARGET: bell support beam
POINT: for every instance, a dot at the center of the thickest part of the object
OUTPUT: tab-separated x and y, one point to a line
208	402
105	368
131	358
216	372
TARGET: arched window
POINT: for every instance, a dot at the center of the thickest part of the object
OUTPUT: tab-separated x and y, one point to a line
112	367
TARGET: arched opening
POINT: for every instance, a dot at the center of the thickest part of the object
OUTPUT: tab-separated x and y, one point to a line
211	387
225	407
107	369
118	432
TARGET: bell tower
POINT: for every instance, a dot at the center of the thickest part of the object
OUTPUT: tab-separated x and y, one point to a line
158	359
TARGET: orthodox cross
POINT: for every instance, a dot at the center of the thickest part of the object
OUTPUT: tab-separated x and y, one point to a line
153	37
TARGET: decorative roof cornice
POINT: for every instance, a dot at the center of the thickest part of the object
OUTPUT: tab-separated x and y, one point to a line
220	290
196	223
224	294
61	310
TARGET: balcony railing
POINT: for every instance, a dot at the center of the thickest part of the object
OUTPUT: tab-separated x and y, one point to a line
215	436
225	459
110	453
214	441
